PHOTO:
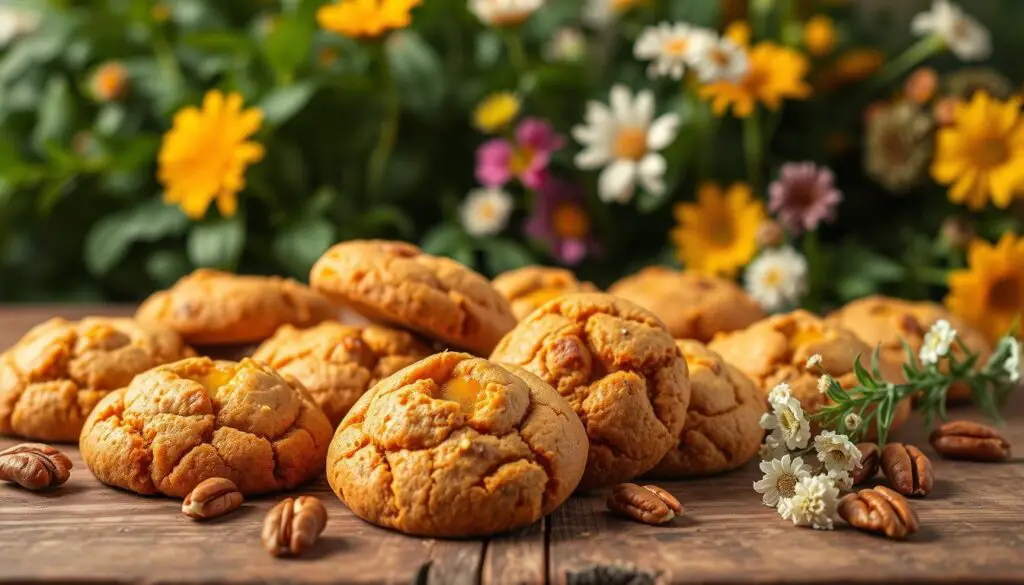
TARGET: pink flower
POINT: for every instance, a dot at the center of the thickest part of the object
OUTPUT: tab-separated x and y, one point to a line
803	196
560	219
498	160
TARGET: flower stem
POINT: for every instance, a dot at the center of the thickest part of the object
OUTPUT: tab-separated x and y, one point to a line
753	149
913	56
378	163
516	53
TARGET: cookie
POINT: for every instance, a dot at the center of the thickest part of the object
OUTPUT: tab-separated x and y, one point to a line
693	305
530	287
338	363
884	322
620	370
722	430
395	283
457	446
179	424
53	377
776	349
209	307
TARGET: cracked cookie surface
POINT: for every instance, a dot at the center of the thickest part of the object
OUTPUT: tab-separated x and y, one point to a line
179	424
210	307
776	350
692	305
619	369
530	287
457	446
884	321
722	430
338	363
56	374
395	283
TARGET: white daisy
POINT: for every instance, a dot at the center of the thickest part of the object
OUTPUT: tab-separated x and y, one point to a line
485	212
16	22
777	278
771	449
719	60
781	477
568	45
788	424
937	342
670	48
504	12
824	383
813	361
967	38
625	139
852	421
842	480
813	503
836	452
780	393
1012	364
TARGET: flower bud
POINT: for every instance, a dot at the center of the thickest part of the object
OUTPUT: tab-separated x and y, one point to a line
109	82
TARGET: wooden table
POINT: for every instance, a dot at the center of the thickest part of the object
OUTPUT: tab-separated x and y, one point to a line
84	532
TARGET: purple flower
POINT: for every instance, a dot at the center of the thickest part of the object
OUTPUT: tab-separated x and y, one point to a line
498	160
560	219
803	196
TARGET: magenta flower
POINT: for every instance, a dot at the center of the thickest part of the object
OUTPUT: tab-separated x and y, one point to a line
803	196
561	220
498	160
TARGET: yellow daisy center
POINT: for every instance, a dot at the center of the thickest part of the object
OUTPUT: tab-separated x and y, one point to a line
676	47
630	143
487	211
835	457
521	160
991	153
1005	294
772	278
786	485
569	221
719	57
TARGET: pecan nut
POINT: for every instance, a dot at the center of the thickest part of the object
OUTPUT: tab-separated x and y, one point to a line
34	466
961	439
211	498
880	510
648	504
869	461
293	526
907	469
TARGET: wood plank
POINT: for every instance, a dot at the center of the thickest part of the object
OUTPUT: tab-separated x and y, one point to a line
517	558
972	529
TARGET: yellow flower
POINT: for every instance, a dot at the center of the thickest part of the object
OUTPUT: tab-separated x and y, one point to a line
718	234
738	32
496	111
849	67
365	18
205	154
819	35
989	294
774	73
982	154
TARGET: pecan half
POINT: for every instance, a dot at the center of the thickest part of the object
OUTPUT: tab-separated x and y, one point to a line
907	469
648	504
961	439
880	510
293	526
869	461
211	498
34	466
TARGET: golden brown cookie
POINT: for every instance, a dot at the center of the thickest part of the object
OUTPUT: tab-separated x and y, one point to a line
776	349
457	446
395	283
722	430
337	363
53	377
179	424
530	287
693	305
620	370
209	307
884	321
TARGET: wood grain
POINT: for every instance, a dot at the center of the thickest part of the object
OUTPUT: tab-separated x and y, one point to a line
972	530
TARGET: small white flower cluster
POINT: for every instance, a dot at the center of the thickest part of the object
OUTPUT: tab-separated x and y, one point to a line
777	278
937	342
805	495
966	38
673	48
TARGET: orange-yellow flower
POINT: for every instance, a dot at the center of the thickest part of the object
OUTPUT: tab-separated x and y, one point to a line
981	156
775	73
989	293
366	18
205	154
819	35
109	82
718	234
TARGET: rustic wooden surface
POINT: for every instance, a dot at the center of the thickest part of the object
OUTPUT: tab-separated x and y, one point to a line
972	530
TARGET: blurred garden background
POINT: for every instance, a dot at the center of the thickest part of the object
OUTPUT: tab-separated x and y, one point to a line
817	150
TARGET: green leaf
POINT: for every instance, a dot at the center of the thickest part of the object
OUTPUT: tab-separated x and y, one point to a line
300	243
502	255
217	243
55	113
284	102
110	238
417	71
443	240
649	203
165	267
287	46
875	370
220	41
863	377
110	119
